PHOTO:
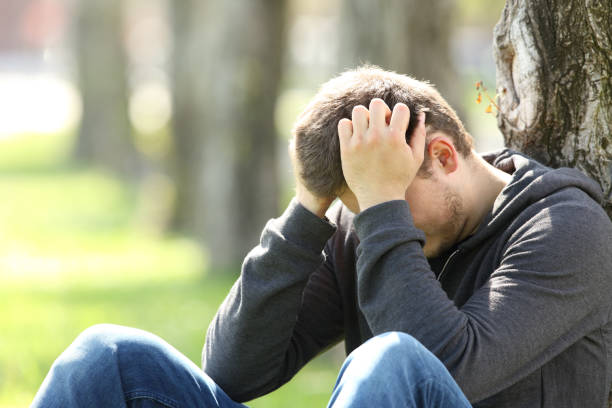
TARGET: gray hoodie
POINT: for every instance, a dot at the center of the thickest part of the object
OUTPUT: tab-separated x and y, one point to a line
519	312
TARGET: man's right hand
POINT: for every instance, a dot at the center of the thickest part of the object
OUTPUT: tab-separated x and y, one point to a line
313	203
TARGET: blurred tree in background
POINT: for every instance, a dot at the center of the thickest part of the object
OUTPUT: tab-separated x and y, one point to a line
105	134
407	36
227	71
226	68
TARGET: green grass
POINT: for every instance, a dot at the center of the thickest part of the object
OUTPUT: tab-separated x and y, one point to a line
74	253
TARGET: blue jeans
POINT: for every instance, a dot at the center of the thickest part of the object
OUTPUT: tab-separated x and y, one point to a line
114	366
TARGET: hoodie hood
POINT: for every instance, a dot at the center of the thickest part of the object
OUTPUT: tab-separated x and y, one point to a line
531	182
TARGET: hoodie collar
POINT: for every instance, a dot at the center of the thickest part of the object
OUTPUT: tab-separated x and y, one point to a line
531	182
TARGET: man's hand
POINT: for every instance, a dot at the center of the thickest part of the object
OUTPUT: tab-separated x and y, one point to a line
313	203
377	162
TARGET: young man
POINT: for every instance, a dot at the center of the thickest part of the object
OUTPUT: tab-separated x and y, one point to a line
450	276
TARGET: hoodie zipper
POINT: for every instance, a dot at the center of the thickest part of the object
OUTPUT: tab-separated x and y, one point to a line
451	256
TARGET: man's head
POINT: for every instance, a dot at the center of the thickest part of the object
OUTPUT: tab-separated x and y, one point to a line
317	148
439	196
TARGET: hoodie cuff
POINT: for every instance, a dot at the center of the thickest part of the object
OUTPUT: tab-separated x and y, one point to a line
387	216
301	227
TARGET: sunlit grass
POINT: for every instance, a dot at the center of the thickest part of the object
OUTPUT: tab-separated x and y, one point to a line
38	322
73	253
34	151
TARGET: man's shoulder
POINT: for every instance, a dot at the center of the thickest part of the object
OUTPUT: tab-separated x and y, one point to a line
570	205
566	211
567	223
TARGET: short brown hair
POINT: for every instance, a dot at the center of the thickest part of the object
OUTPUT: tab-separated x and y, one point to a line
316	130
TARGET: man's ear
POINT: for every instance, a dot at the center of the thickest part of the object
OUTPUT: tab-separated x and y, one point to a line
443	154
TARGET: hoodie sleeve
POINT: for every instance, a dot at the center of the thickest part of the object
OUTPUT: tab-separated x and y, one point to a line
551	288
282	311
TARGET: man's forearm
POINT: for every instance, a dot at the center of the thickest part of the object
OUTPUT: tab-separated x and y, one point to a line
247	342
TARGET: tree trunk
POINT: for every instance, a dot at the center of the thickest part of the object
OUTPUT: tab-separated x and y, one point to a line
554	81
105	131
408	36
228	67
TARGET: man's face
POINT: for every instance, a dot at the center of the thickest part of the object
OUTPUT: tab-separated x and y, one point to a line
436	209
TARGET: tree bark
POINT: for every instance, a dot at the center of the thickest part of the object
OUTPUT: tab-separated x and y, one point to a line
408	36
554	81
105	131
227	73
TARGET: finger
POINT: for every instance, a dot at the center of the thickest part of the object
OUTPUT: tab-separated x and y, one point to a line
345	131
361	120
378	113
399	120
417	141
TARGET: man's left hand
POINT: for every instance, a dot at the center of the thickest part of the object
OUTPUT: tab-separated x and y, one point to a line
377	162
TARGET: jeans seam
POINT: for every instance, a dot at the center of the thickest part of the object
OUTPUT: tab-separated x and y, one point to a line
168	402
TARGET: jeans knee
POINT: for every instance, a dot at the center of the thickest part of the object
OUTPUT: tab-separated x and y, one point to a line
87	355
389	347
120	341
99	347
394	369
115	363
397	354
97	341
96	335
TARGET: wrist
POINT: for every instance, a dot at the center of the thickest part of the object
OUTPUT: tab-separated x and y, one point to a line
316	205
366	202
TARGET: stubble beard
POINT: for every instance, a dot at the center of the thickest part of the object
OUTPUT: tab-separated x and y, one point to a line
450	232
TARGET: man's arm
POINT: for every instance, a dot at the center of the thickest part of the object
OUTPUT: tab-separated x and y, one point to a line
283	309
